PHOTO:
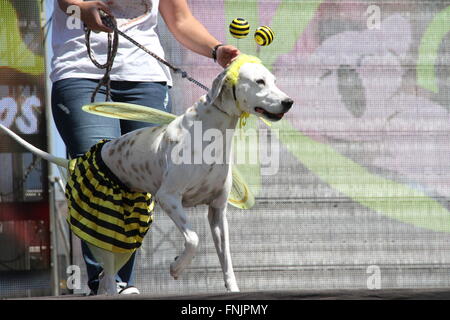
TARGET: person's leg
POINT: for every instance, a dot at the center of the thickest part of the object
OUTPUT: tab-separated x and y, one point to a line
79	131
126	273
93	268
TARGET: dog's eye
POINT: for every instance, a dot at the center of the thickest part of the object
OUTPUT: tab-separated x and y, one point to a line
261	82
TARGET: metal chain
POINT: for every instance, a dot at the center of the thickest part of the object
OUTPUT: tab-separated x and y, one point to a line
112	51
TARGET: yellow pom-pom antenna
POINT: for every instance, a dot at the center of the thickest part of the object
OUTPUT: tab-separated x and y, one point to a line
264	36
239	28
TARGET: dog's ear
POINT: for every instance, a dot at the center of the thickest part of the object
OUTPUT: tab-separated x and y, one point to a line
218	85
221	94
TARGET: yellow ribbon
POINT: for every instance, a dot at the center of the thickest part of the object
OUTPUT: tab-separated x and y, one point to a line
269	124
245	115
243	119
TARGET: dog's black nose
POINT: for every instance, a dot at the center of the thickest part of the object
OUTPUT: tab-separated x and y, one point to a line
287	104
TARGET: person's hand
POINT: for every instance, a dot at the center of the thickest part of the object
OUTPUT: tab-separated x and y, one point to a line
91	17
226	54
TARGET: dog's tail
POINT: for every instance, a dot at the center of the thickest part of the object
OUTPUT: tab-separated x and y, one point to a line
47	156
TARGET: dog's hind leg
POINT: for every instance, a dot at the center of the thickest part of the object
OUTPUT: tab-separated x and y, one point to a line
111	263
219	229
171	204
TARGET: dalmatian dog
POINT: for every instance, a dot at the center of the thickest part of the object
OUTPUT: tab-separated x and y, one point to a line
164	161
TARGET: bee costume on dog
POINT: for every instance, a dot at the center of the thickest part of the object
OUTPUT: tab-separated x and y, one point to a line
102	210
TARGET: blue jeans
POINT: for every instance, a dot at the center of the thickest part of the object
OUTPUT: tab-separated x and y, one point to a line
81	130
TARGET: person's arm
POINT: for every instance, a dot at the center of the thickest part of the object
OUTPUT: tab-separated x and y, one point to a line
191	33
88	12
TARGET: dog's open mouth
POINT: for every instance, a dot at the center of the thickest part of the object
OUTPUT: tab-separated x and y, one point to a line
269	115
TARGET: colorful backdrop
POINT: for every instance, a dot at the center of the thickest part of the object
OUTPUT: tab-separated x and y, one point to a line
362	186
24	207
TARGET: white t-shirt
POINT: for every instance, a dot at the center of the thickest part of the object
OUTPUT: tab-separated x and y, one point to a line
137	18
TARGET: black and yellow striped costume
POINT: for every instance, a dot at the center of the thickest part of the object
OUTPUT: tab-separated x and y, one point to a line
102	210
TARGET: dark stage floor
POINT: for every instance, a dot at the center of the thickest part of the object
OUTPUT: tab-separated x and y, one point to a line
389	294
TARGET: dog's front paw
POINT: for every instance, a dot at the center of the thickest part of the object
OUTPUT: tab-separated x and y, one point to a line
232	286
175	269
173	273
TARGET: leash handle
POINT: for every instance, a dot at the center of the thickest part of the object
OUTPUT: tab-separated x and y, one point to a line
113	45
107	20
